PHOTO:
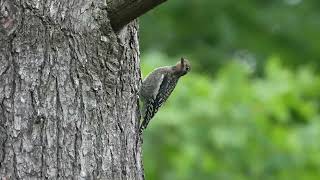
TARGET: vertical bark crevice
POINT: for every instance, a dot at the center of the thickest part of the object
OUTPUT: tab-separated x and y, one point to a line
3	133
43	147
15	171
100	148
59	118
12	98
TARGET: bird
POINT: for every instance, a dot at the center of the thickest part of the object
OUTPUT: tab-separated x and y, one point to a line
157	87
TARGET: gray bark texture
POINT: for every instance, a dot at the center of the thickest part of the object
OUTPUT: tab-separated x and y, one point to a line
68	92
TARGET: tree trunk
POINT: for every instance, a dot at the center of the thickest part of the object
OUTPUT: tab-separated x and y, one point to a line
68	92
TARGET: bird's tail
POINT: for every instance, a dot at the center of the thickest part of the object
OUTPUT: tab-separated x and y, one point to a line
148	111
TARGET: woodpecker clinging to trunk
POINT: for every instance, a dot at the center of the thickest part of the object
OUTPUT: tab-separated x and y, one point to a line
157	87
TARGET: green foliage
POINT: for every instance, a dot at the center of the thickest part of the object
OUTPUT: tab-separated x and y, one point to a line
235	125
212	31
250	108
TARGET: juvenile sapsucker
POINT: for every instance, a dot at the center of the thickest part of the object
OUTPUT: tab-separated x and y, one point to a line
157	87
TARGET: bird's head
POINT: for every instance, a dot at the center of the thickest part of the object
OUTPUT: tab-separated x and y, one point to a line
182	67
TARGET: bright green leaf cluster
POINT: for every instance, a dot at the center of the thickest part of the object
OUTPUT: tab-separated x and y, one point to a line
236	126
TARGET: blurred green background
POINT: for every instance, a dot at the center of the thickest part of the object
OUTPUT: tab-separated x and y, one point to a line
250	107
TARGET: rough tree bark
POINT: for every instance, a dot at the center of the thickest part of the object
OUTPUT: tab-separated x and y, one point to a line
68	92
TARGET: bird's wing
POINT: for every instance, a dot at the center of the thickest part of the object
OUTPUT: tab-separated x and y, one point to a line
149	89
153	104
166	87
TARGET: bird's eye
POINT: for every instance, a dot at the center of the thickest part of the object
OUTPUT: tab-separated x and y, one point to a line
187	68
